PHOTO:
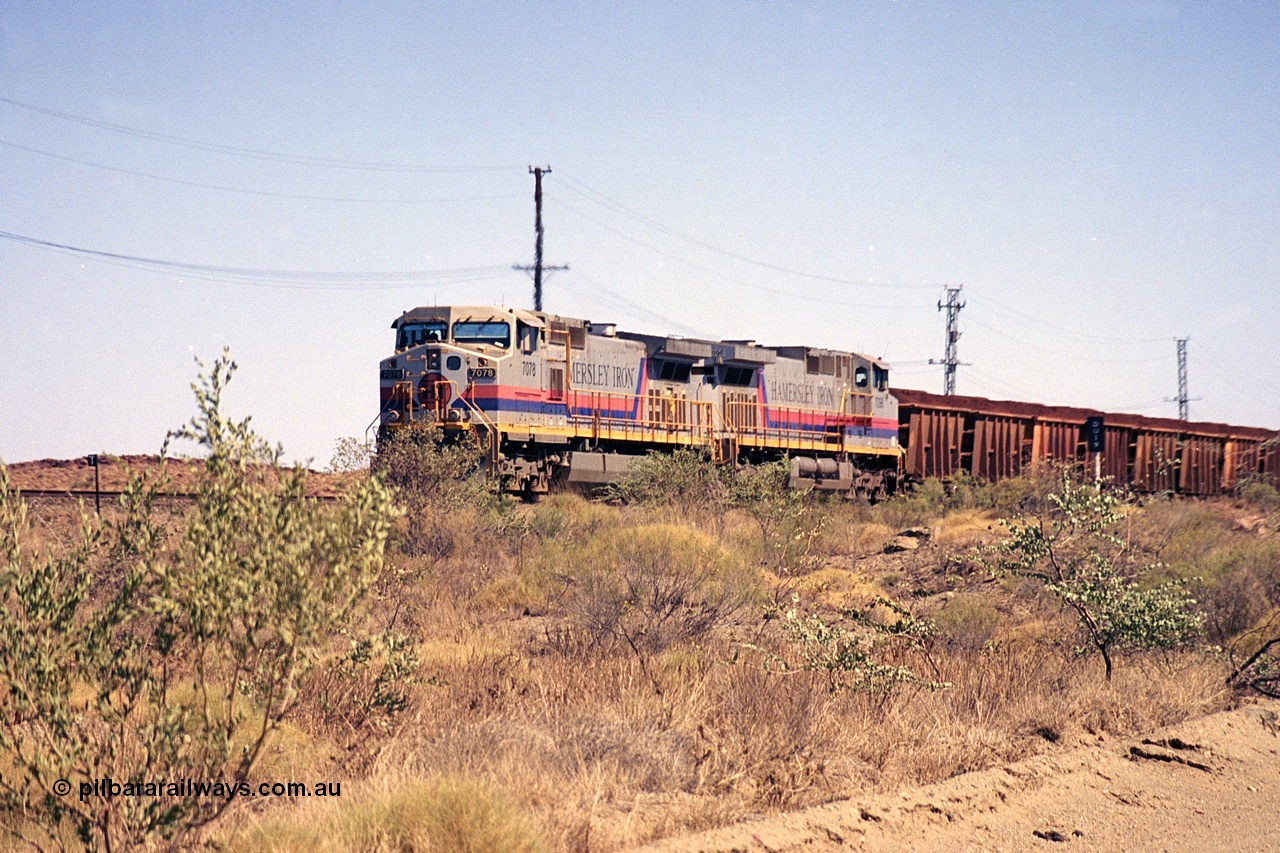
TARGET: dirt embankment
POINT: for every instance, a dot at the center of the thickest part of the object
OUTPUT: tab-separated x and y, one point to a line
1211	784
62	475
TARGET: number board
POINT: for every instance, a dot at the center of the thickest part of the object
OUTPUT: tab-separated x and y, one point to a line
1094	434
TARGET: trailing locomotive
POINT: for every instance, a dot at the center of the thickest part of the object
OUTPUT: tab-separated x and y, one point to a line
554	398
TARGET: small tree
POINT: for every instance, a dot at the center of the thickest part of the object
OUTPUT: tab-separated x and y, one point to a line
789	519
351	456
142	657
1074	552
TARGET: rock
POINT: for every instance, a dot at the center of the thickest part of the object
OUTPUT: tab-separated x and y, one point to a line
1248	524
901	543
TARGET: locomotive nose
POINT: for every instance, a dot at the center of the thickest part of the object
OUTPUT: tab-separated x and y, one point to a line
433	391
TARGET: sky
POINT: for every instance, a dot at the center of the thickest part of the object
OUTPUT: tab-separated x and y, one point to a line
285	179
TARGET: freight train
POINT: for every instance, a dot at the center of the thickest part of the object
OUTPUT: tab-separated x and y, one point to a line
554	399
943	436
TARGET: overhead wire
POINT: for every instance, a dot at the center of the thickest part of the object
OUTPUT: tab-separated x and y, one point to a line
821	300
254	153
599	289
1225	374
985	379
1072	356
315	279
287	279
1162	402
1039	321
576	186
241	191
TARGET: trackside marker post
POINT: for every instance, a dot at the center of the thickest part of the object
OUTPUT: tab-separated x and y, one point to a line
92	459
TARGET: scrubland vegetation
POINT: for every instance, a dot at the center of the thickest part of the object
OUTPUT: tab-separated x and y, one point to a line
587	673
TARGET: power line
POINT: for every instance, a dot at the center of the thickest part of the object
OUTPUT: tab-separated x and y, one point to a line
985	379
266	193
599	198
667	325
1031	318
291	279
1248	385
252	153
1039	346
821	300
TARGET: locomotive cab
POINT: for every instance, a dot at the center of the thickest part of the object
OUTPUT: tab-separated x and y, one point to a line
449	363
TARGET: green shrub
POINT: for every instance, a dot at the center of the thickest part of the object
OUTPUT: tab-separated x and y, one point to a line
650	587
1075	553
424	468
857	658
914	507
434	479
789	519
686	477
1265	496
968	623
188	656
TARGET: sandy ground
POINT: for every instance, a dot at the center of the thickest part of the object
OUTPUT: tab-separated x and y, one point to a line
1093	798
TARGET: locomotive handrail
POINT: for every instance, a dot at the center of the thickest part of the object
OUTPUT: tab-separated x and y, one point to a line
858	396
771	425
608	416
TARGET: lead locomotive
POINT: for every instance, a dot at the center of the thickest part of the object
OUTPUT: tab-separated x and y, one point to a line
553	398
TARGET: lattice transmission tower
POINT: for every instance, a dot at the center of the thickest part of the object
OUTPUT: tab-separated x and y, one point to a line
951	358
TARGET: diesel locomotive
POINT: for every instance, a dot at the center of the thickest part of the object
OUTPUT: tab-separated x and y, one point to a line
553	399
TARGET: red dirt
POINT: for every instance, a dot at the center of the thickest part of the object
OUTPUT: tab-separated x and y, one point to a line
57	475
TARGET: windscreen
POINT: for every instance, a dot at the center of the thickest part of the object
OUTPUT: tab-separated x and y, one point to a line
494	333
412	334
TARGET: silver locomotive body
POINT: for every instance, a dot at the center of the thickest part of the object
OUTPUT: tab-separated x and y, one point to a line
553	397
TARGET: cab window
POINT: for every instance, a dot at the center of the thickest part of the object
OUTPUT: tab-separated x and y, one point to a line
412	334
881	378
494	333
528	337
860	377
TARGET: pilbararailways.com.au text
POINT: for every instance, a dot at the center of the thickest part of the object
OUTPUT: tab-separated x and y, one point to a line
188	788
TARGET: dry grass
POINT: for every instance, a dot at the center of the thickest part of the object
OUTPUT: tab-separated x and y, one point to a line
835	588
445	815
602	748
525	731
968	529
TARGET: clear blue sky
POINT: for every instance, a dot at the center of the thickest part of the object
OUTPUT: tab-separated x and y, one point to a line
1101	178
